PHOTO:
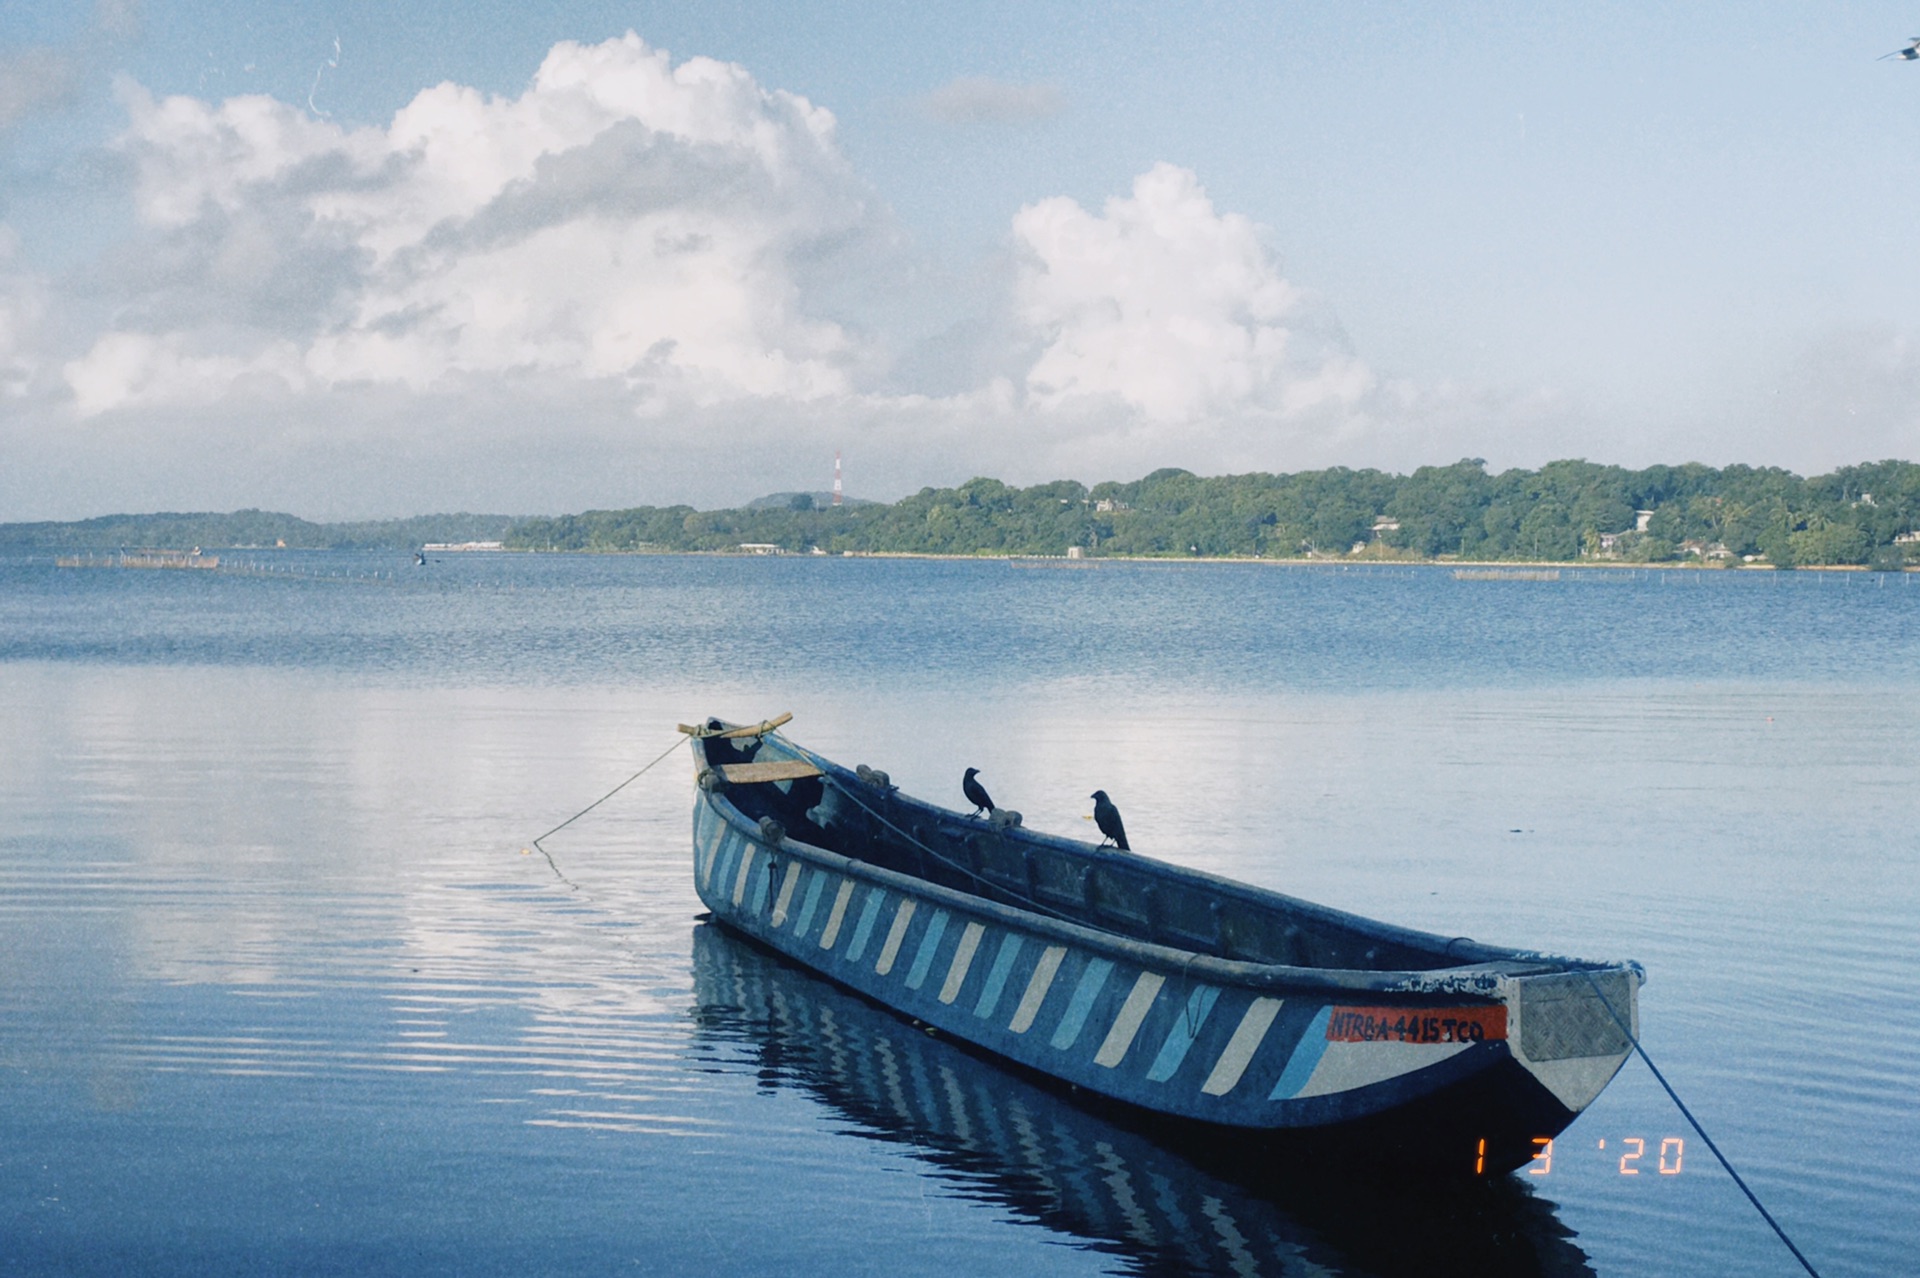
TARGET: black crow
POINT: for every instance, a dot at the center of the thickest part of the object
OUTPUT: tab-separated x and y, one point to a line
1107	817
976	793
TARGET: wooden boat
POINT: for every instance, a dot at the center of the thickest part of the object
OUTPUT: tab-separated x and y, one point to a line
1182	997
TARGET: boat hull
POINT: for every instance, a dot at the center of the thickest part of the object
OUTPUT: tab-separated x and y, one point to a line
1173	1201
1464	1077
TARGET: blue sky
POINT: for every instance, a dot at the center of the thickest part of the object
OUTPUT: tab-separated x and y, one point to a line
1082	242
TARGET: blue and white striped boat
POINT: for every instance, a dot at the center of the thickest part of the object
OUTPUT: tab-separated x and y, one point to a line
1187	997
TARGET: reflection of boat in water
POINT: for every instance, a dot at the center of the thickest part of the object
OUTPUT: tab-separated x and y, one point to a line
1007	1141
1253	1016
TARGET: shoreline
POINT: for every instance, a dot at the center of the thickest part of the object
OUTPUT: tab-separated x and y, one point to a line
62	556
1357	561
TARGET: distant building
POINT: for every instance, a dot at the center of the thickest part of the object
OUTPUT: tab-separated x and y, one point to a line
463	545
1076	552
1385	525
1641	518
761	548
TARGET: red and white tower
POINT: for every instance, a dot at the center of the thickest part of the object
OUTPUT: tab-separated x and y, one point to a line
836	477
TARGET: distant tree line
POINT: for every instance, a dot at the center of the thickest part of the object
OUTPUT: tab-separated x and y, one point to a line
249	528
1562	512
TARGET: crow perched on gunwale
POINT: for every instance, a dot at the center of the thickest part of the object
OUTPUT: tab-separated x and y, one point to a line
976	793
1107	817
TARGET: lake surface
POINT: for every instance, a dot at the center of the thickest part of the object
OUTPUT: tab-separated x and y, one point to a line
281	990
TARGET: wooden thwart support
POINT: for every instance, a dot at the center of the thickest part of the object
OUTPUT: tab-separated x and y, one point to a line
756	730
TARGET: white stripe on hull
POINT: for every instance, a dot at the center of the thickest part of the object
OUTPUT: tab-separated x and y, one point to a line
1132	1013
746	868
1246	1040
962	960
787	885
1037	986
1345	1066
837	915
895	934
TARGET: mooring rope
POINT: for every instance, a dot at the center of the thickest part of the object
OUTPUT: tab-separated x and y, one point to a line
596	803
1688	1115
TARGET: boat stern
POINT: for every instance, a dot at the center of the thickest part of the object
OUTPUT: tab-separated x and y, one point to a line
1573	1030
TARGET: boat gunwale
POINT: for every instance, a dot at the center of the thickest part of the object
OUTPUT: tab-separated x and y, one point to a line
1479	978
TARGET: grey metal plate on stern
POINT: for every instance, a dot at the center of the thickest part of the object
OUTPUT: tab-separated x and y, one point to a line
1562	1017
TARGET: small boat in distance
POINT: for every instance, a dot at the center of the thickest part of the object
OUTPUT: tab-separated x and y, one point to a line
1181	997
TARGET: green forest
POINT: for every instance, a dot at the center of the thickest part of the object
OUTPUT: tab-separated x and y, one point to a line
248	528
1563	512
1566	511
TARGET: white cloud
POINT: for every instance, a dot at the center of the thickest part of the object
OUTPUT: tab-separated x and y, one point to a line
196	160
623	218
977	100
637	281
1178	311
138	368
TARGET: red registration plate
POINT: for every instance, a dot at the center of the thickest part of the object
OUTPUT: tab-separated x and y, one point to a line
1417	1025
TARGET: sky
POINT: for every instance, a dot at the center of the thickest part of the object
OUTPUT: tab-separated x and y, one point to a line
353	260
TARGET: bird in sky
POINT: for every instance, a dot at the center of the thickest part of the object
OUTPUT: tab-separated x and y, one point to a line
976	793
1909	54
1107	817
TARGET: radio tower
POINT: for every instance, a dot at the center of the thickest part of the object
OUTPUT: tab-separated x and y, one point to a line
836	477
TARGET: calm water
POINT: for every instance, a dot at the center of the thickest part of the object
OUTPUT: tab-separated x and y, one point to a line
280	991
